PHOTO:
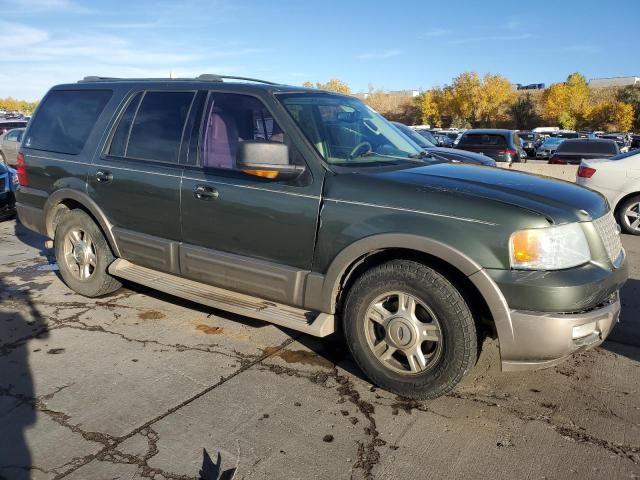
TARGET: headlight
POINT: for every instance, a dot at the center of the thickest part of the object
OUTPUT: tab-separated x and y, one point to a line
552	248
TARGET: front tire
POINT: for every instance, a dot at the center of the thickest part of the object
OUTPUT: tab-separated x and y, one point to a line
629	215
83	255
409	329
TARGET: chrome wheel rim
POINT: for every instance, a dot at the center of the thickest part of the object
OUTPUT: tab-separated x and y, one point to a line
79	254
632	216
403	333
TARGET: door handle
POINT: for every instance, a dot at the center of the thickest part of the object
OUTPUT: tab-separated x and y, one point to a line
204	192
103	176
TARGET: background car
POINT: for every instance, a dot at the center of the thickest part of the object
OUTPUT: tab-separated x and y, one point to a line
442	139
6	125
9	144
501	145
619	138
618	179
8	184
574	150
529	141
450	154
548	147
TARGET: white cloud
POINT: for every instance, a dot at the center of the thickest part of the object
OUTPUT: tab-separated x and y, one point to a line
19	35
493	38
380	54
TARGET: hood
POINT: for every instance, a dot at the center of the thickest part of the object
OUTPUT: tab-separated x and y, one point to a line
559	201
462	155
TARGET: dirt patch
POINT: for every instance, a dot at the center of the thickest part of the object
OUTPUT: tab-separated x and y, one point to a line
209	330
150	315
298	356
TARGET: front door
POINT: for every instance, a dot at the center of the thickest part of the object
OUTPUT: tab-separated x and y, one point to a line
136	180
240	231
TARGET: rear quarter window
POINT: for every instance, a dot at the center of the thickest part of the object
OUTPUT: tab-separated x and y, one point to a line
65	120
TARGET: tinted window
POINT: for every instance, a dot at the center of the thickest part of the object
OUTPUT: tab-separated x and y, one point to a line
157	127
65	120
587	146
118	146
230	120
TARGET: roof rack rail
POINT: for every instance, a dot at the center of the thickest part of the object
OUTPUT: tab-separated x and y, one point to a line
205	77
214	77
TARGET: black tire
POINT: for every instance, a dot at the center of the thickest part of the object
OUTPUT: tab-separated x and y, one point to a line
458	329
99	282
623	219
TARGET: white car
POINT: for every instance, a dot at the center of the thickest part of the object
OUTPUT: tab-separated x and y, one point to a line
618	179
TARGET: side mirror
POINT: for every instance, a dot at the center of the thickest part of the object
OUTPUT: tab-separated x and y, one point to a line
266	160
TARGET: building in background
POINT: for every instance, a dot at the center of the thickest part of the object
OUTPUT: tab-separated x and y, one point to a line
613	82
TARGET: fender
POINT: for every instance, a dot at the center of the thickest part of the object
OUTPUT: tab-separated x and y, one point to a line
322	291
87	202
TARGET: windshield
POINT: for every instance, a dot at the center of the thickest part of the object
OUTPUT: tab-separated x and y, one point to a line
347	132
413	135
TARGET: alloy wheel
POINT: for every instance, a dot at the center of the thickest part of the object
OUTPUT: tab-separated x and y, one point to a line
632	216
80	254
403	333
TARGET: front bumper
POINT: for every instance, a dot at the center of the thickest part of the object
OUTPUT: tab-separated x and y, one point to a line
542	340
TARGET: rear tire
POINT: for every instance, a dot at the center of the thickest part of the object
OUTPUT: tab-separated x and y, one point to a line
629	215
83	255
409	329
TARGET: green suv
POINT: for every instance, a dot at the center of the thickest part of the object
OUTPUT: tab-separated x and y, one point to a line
307	209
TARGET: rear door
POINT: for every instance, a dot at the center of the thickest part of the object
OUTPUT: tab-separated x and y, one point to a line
240	231
136	178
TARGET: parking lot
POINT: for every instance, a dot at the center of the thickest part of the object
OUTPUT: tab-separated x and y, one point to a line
143	385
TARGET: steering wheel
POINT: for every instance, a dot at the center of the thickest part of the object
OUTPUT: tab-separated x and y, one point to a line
362	145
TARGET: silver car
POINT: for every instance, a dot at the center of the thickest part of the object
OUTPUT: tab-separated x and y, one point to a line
548	147
9	145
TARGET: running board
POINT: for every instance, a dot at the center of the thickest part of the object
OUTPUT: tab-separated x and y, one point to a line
310	322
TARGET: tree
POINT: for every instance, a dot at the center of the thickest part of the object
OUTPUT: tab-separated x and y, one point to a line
497	97
567	103
612	116
523	112
333	85
468	97
429	109
631	96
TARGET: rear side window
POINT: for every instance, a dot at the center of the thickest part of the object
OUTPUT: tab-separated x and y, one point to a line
65	120
118	146
156	131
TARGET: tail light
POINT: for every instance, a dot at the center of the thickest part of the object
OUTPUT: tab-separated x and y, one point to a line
21	168
586	172
508	151
557	161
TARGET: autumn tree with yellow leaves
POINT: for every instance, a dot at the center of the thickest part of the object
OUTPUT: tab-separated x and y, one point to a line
333	85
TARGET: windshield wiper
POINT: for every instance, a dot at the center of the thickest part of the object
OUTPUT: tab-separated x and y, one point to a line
422	154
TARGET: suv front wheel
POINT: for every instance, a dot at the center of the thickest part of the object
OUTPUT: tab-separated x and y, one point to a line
83	255
409	329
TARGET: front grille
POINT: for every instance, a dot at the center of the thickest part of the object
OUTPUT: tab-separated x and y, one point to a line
4	183
607	228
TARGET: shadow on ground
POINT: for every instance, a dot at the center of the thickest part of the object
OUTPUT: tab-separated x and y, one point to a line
625	338
17	395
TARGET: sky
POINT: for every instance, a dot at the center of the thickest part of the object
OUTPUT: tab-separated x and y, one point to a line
391	45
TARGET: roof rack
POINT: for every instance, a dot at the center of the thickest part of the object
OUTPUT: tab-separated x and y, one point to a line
205	77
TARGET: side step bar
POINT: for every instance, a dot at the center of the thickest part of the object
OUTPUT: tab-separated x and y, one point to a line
310	322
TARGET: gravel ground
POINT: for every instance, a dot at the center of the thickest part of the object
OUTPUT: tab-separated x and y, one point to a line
143	385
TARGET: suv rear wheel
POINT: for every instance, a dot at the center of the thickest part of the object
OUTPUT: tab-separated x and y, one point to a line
409	329
83	255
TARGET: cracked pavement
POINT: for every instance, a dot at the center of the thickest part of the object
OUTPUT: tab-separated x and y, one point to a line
140	384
